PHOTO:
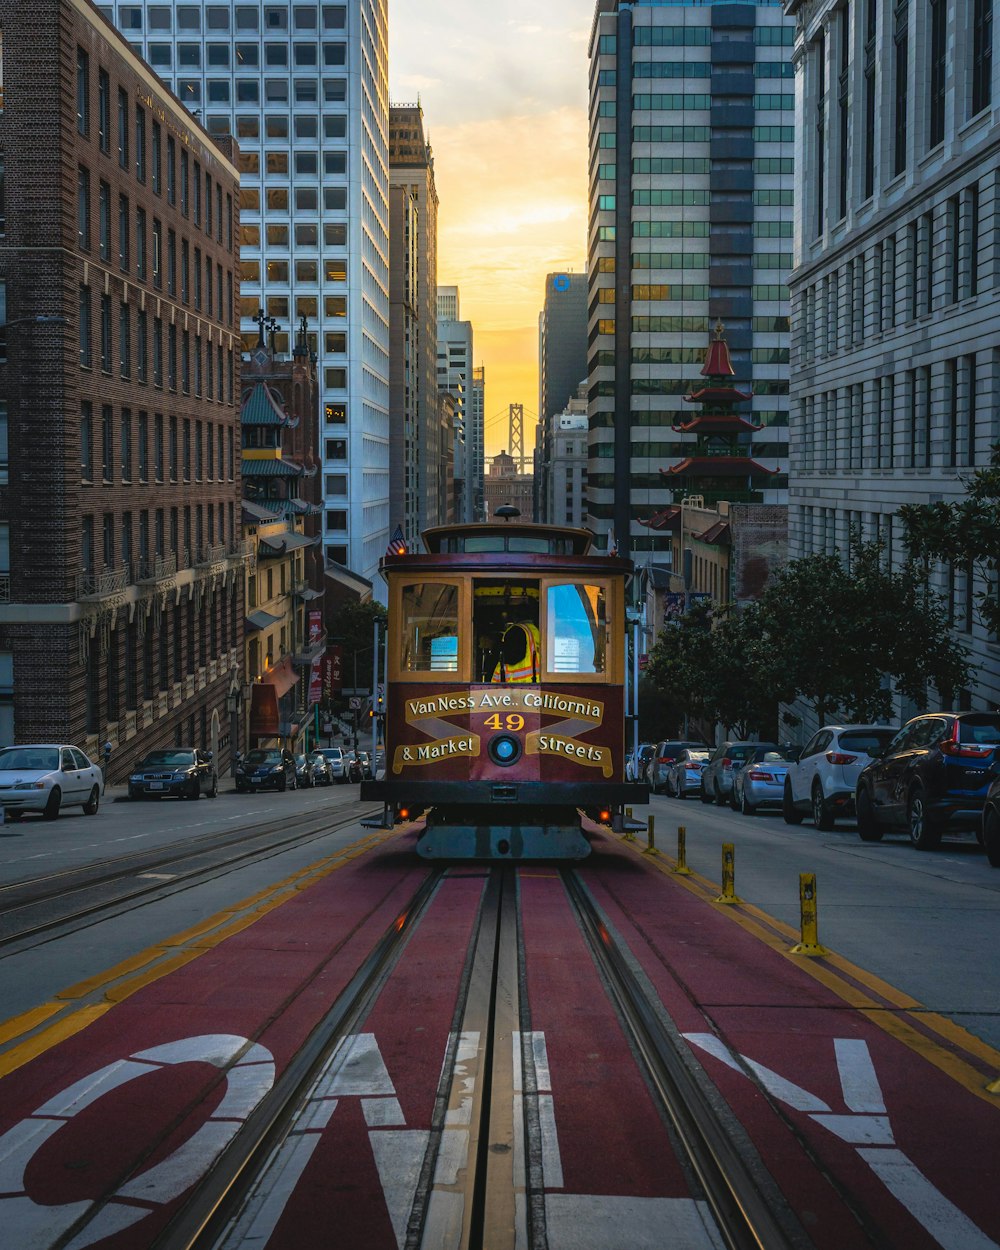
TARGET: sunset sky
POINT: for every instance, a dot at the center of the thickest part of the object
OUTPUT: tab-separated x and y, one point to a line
504	92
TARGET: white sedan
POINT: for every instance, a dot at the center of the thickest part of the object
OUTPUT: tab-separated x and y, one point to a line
46	779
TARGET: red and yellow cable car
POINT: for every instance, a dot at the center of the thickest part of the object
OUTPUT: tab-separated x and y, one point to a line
505	695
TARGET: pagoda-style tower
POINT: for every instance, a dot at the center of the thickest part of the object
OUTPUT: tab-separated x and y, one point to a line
720	466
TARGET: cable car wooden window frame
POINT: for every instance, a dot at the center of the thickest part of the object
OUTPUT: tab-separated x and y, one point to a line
614	668
461	675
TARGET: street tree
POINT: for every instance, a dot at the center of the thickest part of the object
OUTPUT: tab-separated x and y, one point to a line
843	636
964	533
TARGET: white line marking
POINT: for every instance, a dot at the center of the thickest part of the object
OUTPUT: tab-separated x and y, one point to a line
597	1222
552	1173
786	1091
950	1227
857	1076
355	1069
858	1130
382	1112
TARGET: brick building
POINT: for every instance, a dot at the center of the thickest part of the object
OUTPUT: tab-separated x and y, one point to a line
121	601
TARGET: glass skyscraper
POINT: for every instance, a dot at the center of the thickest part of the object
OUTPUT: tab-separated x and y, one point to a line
304	88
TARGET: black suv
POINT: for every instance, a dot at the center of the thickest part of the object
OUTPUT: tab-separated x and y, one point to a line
180	771
933	774
266	768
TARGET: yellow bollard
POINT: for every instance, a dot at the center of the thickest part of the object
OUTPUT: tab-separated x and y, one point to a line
650	838
728	894
994	1086
628	811
810	944
681	868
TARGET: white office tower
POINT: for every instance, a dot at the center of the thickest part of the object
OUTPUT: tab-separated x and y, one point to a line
447	303
304	88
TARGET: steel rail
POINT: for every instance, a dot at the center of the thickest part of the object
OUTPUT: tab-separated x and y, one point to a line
220	1194
70	922
146	859
745	1219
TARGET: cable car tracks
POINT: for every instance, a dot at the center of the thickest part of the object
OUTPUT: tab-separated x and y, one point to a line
59	903
488	1171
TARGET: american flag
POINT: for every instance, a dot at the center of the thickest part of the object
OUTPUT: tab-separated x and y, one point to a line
397	543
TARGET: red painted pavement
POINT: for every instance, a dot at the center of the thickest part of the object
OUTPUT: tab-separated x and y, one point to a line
713	976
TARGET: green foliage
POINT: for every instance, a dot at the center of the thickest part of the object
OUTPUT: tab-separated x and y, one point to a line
352	627
842	637
709	665
965	533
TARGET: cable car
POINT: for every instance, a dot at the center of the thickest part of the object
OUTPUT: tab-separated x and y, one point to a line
505	714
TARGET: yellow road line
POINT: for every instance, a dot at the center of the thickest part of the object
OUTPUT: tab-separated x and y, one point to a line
849	982
115	984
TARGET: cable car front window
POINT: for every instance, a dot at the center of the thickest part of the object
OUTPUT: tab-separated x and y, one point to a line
430	628
576	629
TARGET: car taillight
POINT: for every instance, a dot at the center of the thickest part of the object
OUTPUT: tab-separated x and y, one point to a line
835	757
666	759
966	750
693	768
727	764
756	775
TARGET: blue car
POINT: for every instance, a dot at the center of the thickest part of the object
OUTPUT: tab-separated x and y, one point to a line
933	776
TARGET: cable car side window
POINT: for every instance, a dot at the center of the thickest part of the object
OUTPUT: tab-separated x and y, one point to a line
429	634
576	634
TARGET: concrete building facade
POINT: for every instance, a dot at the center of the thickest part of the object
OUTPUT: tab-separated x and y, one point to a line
896	321
415	472
690	224
304	88
562	363
454	375
566	466
121	591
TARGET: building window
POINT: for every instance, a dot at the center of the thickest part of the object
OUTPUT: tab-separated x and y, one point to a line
124	341
171	170
158	454
104	110
86	347
107	452
4	452
982	55
104	220
143	466
158	351
82	92
124	259
140	143
900	34
140	243
123	123
86	442
157	253
843	93
126	453
83	207
105	333
142	346
938	66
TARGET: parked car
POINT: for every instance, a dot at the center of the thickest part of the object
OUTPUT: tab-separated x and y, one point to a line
934	775
46	778
823	780
266	768
645	755
334	756
683	776
366	765
664	754
322	773
353	768
378	772
990	833
761	780
634	762
181	772
303	772
727	760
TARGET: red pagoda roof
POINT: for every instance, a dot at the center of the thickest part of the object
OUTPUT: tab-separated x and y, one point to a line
718	466
717	362
716	423
666	519
717	535
717	395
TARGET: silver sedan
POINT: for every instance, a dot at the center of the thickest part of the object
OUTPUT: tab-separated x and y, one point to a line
683	776
46	778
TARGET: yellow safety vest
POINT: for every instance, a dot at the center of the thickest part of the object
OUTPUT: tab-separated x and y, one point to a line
527	668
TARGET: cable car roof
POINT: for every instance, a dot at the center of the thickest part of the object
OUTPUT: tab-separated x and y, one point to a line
523	538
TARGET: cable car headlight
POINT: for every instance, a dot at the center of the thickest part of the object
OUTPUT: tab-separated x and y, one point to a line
504	750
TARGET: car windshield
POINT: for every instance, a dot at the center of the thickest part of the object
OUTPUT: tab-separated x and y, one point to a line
167	759
30	759
868	740
332	753
776	755
697	755
646	752
263	757
741	752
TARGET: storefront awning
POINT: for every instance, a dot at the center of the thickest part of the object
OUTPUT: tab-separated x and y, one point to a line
261	620
265	719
